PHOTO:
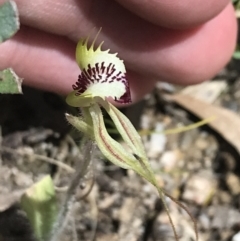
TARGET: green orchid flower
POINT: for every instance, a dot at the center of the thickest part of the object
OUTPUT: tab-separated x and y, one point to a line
103	77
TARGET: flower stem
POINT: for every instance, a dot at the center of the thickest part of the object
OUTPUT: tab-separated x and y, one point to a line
81	170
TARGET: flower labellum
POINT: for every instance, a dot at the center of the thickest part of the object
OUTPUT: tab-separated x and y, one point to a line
103	75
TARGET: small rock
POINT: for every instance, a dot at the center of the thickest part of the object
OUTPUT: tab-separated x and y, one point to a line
236	237
169	159
157	141
225	161
200	188
147	120
22	180
201	144
233	183
220	217
164	86
223	196
204	221
225	217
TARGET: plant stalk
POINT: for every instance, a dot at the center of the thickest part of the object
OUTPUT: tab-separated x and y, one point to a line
81	170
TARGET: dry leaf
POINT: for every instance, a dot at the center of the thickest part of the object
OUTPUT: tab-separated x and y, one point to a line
207	91
227	123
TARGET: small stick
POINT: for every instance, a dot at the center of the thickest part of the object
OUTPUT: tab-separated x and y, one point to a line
40	157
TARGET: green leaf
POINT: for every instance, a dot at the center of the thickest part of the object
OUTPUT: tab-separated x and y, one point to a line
39	203
9	21
10	83
236	54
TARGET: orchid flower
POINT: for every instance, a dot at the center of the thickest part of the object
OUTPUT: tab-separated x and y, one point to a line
103	77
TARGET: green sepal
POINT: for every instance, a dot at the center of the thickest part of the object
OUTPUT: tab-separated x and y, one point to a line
80	125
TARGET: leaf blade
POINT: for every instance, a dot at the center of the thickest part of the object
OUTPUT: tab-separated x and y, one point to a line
9	20
10	83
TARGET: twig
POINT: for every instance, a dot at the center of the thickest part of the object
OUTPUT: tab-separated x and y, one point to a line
81	171
40	157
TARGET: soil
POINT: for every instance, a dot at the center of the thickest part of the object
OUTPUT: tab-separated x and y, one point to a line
197	167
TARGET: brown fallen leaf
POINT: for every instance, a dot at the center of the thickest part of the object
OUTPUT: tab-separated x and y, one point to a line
207	91
227	123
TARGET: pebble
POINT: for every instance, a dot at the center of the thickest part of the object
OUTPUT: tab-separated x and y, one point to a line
157	141
224	196
204	221
200	188
233	183
225	217
236	237
169	159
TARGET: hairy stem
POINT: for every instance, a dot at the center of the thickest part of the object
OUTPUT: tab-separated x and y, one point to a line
81	170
